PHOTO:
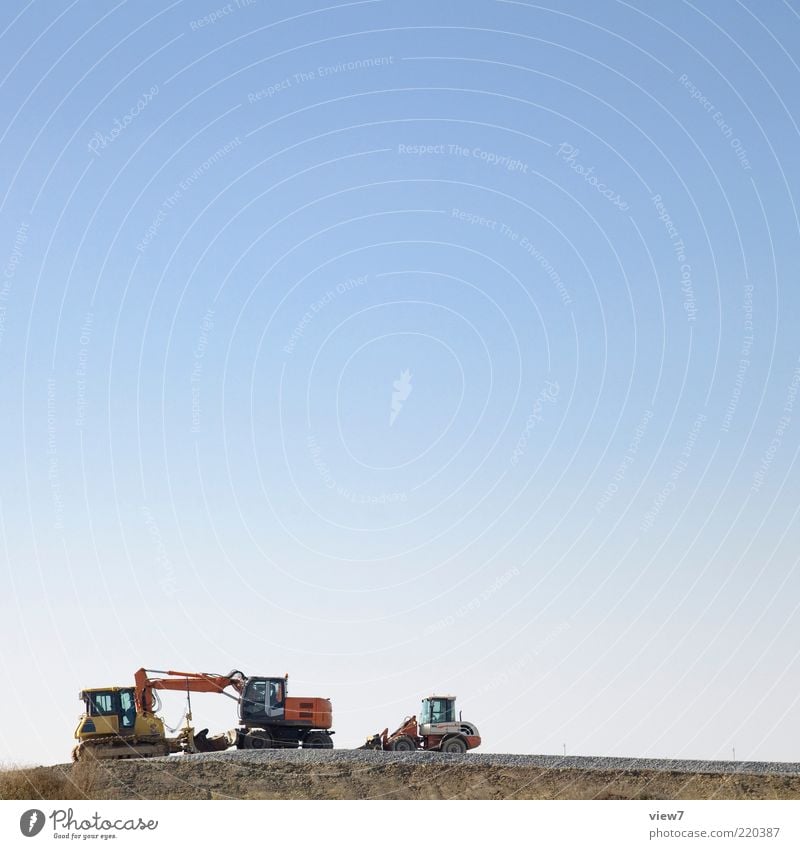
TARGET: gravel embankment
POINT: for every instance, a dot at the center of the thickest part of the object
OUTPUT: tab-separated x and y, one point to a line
477	760
360	774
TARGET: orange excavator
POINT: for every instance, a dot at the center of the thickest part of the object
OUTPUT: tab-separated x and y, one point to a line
123	722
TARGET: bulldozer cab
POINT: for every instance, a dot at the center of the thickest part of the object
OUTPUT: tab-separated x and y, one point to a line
108	711
262	699
436	710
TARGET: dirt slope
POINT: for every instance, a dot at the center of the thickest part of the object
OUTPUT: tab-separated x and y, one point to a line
469	778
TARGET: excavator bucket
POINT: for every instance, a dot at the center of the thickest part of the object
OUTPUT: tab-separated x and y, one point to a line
217	743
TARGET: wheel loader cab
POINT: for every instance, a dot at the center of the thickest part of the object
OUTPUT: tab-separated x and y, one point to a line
437	717
437	709
107	711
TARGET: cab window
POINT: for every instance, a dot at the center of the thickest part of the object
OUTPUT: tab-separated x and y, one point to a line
254	698
102	704
441	710
127	709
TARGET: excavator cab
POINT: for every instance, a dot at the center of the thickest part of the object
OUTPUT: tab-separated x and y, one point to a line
262	699
272	719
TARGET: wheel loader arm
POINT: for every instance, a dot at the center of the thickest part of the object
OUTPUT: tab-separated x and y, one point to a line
408	728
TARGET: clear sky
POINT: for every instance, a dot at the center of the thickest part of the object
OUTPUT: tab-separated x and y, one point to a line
405	347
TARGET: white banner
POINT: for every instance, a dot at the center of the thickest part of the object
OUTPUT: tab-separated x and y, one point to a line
584	825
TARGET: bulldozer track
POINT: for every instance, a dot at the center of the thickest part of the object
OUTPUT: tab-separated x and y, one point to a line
113	750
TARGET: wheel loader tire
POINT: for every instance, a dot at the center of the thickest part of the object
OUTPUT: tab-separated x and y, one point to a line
258	740
454	746
317	740
403	743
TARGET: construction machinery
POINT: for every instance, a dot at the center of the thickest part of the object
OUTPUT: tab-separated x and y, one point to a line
436	730
123	722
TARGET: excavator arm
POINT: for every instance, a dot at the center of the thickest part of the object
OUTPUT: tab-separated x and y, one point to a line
148	680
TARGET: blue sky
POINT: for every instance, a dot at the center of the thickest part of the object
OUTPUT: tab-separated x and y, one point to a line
406	347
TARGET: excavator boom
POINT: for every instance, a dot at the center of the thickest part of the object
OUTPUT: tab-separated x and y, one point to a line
194	682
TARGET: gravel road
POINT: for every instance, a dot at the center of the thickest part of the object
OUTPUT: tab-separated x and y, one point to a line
475	760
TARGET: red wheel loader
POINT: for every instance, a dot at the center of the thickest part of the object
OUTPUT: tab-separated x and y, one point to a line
437	730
